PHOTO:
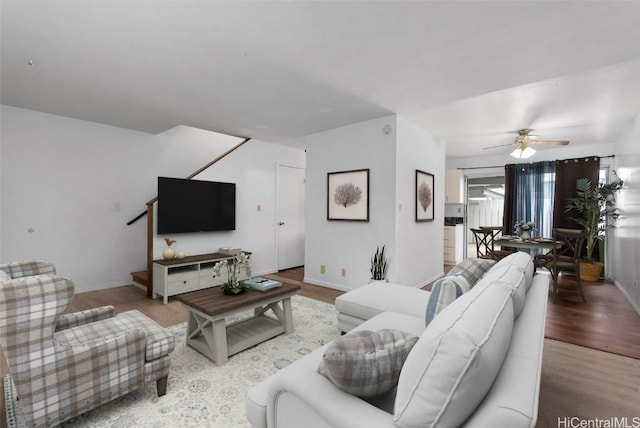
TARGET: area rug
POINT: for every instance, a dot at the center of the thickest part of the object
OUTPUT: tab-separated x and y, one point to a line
201	394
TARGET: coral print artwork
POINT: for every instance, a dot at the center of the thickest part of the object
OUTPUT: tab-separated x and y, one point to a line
348	195
424	196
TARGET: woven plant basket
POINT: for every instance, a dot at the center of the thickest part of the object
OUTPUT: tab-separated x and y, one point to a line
590	271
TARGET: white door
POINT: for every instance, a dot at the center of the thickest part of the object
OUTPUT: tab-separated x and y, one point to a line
291	188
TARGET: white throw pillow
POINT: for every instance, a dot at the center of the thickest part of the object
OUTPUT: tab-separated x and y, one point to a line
4	276
512	278
522	260
453	365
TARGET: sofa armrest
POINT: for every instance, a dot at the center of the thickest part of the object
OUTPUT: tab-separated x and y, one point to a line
322	398
28	268
75	319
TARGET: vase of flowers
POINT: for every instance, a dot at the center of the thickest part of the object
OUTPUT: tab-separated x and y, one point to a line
524	229
234	266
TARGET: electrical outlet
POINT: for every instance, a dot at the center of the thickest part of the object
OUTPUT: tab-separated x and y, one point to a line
343	272
323	269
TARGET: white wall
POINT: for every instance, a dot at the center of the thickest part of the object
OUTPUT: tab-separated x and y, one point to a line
392	159
419	245
253	168
625	244
349	244
78	183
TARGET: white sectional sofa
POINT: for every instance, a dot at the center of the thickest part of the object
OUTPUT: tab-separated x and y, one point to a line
476	364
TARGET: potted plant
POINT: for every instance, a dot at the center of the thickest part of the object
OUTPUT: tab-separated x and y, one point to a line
596	211
379	265
234	266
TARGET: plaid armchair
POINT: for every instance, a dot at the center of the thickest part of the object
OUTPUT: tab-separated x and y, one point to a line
65	365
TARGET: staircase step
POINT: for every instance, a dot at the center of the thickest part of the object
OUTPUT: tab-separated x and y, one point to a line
141	278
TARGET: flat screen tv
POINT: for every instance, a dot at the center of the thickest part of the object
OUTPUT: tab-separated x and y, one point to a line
186	206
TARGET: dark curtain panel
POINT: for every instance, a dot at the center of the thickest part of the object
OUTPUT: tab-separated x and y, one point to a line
509	204
568	171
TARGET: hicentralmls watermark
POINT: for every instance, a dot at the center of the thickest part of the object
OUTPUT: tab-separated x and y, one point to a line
612	422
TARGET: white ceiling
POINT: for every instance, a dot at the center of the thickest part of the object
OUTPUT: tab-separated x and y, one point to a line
468	72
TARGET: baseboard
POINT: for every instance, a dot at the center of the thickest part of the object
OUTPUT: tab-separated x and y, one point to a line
326	284
105	286
626	295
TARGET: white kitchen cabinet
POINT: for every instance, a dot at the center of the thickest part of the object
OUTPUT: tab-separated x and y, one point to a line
453	244
454	187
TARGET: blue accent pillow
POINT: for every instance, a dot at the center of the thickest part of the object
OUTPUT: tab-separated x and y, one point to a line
445	291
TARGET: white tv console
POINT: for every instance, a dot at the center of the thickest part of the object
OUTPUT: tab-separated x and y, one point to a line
171	277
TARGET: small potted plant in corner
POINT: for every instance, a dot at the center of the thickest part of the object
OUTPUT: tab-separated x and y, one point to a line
379	264
596	211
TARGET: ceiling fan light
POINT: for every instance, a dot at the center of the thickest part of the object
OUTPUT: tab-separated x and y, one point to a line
523	153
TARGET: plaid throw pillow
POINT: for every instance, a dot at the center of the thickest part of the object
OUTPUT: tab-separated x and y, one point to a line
367	363
472	269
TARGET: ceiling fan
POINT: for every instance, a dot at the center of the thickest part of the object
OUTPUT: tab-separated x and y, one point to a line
526	138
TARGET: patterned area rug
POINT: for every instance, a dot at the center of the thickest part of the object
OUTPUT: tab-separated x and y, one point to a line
200	394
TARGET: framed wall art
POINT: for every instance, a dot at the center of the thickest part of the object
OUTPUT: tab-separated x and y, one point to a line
424	196
348	195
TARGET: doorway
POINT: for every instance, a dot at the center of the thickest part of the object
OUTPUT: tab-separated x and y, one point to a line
485	205
290	216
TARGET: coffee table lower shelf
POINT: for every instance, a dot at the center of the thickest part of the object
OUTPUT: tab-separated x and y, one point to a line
238	336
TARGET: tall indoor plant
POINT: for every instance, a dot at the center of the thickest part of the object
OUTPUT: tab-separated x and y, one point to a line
596	211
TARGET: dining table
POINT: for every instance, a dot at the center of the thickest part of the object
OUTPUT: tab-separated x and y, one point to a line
527	244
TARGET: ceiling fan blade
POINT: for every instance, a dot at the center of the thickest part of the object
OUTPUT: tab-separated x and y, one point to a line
495	147
550	142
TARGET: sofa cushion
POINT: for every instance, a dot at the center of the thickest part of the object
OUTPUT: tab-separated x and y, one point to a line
514	273
367	363
522	261
4	276
455	361
510	277
444	291
369	300
472	269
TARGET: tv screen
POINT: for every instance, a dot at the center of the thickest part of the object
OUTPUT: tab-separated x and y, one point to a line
195	206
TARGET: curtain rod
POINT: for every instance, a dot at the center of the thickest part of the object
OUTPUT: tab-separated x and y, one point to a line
557	160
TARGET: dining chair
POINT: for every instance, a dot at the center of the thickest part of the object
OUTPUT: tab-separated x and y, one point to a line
564	257
484	237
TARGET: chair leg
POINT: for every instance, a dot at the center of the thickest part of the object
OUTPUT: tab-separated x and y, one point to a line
161	385
554	276
579	281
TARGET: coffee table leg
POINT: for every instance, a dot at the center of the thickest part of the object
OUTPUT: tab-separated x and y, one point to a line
219	345
288	316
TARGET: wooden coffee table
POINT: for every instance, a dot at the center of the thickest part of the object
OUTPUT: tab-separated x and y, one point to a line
208	333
